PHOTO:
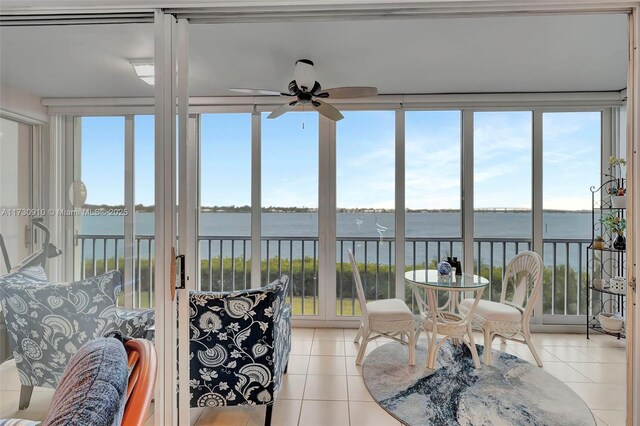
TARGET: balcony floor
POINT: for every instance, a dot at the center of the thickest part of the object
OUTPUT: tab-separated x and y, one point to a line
323	386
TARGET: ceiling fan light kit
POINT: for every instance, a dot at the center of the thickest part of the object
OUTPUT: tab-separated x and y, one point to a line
307	91
305	75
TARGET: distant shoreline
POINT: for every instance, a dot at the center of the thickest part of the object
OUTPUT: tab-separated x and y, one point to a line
139	208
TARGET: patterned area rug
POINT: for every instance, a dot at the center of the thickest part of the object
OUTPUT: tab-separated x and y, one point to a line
509	392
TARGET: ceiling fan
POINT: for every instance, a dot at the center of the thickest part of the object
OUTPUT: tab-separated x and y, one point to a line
307	91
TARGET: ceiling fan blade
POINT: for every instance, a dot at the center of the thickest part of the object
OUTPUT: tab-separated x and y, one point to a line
348	92
259	92
282	109
327	110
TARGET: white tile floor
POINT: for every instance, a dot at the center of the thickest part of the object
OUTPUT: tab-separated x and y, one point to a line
324	386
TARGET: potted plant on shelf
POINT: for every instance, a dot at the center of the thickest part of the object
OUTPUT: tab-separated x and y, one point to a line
617	191
616	224
598	243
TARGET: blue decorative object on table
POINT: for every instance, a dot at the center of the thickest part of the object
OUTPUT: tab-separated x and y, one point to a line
444	269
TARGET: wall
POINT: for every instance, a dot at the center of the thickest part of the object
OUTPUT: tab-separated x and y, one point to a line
23	104
15	141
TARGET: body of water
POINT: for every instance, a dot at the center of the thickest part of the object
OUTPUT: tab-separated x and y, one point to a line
381	226
487	224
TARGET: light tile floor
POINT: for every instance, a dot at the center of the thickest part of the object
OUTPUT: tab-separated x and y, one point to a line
324	386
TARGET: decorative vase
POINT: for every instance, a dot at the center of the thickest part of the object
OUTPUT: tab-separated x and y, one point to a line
598	284
599	244
455	264
611	323
444	272
619	201
618	285
620	243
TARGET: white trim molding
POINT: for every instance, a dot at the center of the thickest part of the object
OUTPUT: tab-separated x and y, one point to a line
232	11
165	227
197	104
633	248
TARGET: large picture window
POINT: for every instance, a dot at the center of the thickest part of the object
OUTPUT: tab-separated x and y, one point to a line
290	206
502	169
571	164
101	245
225	202
433	218
365	191
365	200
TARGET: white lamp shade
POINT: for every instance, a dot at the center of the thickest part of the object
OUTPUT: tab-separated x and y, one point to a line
305	75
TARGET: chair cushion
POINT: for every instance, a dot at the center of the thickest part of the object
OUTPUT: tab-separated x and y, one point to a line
93	388
389	310
48	323
30	275
135	323
494	311
239	342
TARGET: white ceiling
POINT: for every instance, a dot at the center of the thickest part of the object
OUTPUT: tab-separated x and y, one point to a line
467	55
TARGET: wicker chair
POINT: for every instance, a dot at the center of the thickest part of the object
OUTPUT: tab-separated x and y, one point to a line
521	288
390	318
143	364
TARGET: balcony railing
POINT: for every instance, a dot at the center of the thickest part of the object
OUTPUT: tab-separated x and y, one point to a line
225	264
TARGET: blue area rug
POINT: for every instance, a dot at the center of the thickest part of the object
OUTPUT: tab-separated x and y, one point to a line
509	392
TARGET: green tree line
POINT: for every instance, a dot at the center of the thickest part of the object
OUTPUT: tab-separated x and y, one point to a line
379	282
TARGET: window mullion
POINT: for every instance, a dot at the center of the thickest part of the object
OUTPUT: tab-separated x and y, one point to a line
129	219
256	199
327	218
537	242
400	203
467	190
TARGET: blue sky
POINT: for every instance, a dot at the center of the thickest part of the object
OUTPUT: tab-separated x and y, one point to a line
290	160
226	159
365	159
102	159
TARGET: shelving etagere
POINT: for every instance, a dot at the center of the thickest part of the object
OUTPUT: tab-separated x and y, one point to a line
604	263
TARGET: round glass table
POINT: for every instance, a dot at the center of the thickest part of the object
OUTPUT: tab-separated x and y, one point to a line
445	320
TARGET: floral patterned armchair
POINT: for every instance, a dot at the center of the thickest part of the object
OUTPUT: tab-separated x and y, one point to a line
239	346
48	322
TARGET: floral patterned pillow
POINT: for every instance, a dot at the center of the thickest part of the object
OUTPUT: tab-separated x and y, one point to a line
30	275
48	323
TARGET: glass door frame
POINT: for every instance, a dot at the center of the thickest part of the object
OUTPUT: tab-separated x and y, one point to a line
171	83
